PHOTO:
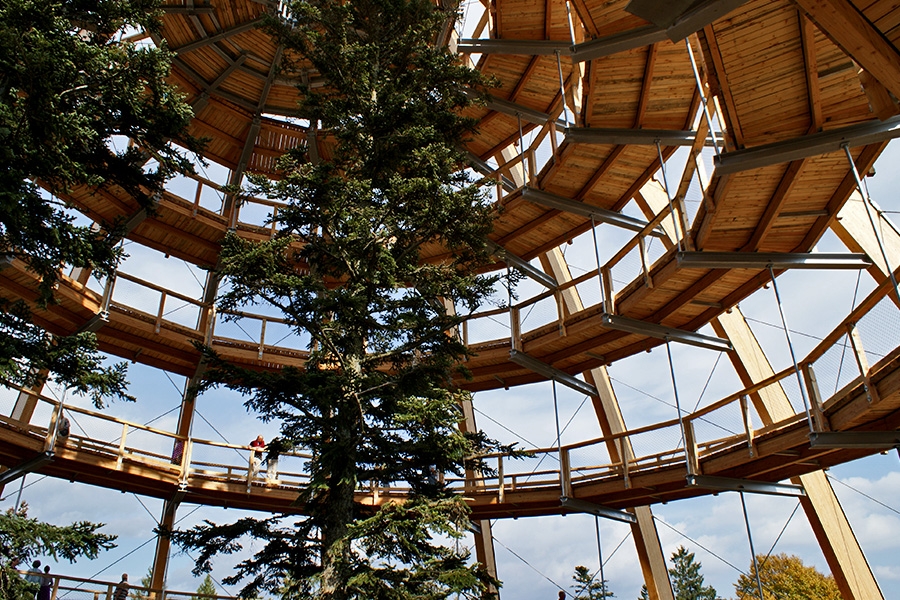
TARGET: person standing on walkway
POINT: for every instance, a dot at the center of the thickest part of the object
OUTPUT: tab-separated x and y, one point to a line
121	592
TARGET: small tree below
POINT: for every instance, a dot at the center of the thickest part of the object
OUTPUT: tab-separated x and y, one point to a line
785	577
687	581
587	587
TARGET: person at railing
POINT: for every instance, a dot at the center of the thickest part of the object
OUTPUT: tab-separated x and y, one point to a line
46	585
121	592
62	434
34	574
257	447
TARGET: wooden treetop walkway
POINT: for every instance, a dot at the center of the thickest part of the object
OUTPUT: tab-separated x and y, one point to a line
640	466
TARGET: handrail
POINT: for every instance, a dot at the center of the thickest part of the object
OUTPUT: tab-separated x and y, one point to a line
501	485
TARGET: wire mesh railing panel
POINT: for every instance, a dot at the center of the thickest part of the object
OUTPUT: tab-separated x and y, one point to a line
242	330
589	291
591	462
219	462
791	387
836	368
255	214
722	423
136	296
539	313
180	312
149	445
487	328
879	330
541	469
657	447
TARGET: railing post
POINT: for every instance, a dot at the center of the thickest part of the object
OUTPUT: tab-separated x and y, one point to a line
565	473
186	460
815	397
159	313
51	429
609	306
501	492
515	333
748	425
645	261
862	362
690	448
560	311
262	339
625	456
122	446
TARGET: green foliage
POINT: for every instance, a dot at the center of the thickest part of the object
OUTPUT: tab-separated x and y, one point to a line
22	539
374	403
645	593
687	582
207	587
136	593
587	587
68	87
785	577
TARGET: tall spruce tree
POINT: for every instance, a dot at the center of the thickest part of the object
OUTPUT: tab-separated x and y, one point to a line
687	581
375	401
68	87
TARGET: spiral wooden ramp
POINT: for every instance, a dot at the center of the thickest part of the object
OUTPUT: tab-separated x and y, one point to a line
778	106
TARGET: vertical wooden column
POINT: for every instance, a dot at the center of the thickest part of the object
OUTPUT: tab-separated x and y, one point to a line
163	545
609	415
484	538
826	517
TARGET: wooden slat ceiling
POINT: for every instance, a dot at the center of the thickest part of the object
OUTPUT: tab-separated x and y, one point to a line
779	71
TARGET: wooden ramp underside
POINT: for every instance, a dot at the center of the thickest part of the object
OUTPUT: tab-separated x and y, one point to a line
779	452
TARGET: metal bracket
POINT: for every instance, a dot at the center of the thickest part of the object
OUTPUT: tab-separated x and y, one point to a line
29	466
542	368
666	333
744	485
855	439
597	509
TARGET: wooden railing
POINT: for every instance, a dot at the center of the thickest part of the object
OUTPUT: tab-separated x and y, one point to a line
729	423
64	587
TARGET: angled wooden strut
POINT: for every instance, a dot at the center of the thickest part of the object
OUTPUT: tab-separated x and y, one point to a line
606	406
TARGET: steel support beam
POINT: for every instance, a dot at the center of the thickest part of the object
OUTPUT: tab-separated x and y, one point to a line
489	171
815	144
29	466
634	137
879	440
597	509
601	215
517	110
680	18
550	372
507	46
744	485
776	260
619	42
522	265
662	332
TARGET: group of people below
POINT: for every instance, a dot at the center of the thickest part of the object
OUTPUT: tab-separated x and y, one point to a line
44	581
257	448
